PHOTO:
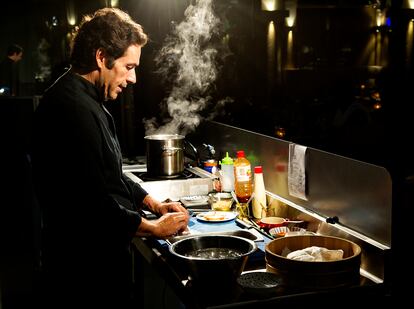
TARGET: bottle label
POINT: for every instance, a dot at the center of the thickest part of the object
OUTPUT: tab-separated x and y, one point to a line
243	173
210	166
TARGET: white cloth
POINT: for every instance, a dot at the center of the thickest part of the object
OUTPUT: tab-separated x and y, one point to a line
316	254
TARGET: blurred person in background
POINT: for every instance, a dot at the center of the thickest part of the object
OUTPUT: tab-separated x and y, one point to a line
9	74
90	210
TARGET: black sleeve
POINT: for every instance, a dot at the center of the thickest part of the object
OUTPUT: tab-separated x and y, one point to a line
115	214
138	192
78	195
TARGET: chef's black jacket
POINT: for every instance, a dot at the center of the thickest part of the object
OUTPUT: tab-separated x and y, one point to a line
88	206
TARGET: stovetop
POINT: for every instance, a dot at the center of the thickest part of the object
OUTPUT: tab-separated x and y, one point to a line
186	174
193	181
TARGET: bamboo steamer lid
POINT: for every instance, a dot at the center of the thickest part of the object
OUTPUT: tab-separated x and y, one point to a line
311	274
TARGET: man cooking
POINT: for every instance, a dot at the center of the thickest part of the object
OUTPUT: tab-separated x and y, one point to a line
89	209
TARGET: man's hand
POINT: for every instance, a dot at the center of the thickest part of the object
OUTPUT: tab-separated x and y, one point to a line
169	224
165	207
162	208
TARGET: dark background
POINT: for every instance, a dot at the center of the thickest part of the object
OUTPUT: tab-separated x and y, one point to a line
317	99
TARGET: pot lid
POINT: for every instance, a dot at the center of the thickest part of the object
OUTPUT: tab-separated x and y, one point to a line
260	282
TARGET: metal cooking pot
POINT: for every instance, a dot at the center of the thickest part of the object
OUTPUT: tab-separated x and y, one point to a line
214	260
165	154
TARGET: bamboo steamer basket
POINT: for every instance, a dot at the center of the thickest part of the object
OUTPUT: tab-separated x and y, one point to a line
310	274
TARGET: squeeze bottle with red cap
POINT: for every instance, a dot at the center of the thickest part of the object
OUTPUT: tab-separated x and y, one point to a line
242	177
259	199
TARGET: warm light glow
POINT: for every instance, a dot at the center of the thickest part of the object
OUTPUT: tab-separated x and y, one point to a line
72	20
376	48
367	56
269	5
70	13
289	52
290	21
375	52
380	18
409	40
112	3
271	32
280	132
376	96
410	4
291	6
271	52
377	106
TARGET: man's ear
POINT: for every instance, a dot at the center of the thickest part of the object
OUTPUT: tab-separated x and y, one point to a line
100	58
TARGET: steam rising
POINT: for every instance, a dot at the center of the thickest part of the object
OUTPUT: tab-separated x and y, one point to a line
187	59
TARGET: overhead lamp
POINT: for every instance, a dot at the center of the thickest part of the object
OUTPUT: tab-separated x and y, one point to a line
291	6
408	4
274	10
380	18
272	5
70	13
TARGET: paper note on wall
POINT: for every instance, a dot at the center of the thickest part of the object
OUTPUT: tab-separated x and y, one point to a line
297	172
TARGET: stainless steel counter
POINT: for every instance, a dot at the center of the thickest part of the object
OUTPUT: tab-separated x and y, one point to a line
173	189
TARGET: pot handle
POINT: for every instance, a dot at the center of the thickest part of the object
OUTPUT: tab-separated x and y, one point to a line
195	156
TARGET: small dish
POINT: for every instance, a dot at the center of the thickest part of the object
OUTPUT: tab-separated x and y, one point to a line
268	223
220	201
279	231
295	230
284	231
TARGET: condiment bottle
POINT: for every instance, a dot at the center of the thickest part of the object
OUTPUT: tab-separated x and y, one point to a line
242	177
259	199
227	173
210	166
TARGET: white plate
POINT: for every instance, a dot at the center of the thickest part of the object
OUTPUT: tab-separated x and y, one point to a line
216	216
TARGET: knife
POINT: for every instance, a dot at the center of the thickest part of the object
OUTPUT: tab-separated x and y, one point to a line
243	224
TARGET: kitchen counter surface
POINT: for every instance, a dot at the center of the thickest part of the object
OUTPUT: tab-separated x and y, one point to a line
157	254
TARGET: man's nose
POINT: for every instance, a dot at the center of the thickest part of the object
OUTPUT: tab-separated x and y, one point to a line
131	78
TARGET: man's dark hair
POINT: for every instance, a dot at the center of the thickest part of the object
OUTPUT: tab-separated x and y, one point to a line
14	49
108	29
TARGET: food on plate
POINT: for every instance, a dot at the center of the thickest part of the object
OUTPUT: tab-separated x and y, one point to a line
316	254
214	216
